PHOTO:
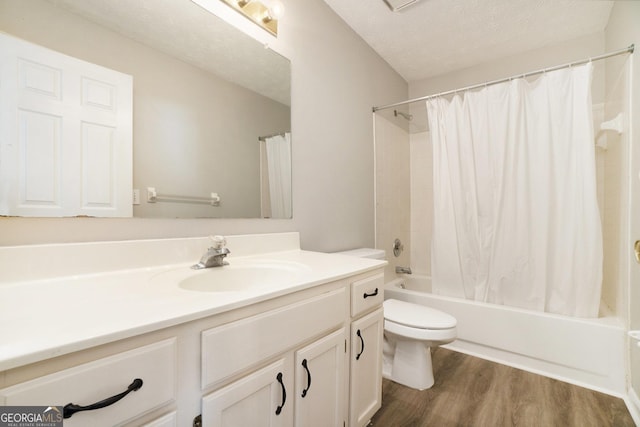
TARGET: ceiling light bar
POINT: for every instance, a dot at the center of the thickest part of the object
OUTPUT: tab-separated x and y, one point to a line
258	12
398	5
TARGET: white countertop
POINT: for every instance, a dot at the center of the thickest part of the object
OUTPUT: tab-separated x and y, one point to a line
48	317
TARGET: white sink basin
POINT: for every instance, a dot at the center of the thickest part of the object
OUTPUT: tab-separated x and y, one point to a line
235	277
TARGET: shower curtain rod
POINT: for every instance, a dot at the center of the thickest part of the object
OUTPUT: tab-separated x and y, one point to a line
264	138
519	76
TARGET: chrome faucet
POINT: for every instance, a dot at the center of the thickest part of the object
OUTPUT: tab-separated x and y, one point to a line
215	255
403	270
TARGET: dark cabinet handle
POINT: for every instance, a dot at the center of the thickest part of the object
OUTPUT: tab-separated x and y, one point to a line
284	394
71	408
372	294
304	365
362	342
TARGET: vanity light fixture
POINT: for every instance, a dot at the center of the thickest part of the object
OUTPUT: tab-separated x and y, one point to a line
398	5
264	13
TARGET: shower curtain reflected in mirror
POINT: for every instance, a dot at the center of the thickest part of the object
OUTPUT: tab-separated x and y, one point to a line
516	218
276	175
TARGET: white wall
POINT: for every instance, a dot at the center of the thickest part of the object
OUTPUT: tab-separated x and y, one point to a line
570	50
421	202
336	80
615	183
393	200
623	30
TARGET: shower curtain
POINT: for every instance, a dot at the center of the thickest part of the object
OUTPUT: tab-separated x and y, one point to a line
279	168
516	218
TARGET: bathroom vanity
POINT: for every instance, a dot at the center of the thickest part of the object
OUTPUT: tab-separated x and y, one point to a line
278	337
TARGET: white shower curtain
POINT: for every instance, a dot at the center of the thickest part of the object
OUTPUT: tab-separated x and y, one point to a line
279	165
516	218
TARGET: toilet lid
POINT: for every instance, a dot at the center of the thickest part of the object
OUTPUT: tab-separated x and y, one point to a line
417	316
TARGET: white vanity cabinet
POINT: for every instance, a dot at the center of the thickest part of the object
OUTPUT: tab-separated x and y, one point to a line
310	391
306	381
367	327
296	359
151	366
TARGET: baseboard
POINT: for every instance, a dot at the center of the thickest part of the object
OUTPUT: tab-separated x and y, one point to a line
633	405
559	372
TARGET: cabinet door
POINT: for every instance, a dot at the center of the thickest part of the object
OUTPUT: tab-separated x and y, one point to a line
366	367
258	399
321	382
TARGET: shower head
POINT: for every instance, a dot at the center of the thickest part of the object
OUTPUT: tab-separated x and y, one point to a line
397	113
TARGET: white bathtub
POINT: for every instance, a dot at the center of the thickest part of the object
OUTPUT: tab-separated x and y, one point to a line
586	352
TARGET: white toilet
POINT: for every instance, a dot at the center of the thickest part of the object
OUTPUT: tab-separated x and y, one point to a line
410	330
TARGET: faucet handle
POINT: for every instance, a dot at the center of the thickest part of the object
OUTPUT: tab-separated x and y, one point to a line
218	241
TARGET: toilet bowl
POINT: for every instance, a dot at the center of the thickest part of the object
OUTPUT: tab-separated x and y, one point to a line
410	330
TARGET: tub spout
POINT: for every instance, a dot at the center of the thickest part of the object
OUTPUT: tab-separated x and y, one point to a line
403	270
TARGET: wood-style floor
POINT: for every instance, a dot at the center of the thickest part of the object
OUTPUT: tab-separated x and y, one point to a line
469	391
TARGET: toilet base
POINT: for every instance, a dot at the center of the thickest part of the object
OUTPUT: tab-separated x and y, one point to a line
411	365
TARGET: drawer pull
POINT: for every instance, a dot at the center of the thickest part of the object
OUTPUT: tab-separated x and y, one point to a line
372	294
71	408
304	365
284	394
362	342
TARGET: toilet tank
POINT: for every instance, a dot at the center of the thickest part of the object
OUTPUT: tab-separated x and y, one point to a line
365	253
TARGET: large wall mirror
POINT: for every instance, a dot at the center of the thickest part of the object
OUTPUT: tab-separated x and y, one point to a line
211	106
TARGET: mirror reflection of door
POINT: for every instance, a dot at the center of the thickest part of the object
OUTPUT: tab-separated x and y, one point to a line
66	134
203	93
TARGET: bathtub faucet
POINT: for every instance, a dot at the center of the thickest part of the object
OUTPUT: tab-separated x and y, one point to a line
403	270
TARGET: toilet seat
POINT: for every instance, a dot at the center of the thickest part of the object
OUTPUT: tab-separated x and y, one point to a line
417	316
418	334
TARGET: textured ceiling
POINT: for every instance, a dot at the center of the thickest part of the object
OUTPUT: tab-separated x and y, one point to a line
428	38
163	25
432	37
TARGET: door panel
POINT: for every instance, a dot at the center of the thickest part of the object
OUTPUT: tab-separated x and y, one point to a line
321	382
65	134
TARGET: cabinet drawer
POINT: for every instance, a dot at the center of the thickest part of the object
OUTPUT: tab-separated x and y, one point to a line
229	349
367	293
86	384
